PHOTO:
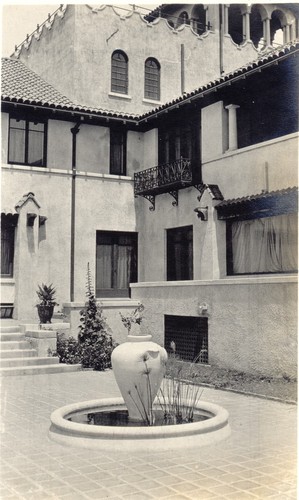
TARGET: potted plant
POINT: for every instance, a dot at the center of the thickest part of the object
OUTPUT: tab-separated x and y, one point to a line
46	295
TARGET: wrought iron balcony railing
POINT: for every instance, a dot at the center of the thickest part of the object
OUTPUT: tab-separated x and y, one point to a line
163	178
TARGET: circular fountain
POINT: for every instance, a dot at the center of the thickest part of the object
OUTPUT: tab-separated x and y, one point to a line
140	420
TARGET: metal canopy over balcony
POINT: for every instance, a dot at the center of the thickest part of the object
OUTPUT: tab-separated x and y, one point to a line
167	178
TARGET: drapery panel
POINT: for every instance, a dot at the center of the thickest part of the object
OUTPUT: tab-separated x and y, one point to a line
116	262
266	245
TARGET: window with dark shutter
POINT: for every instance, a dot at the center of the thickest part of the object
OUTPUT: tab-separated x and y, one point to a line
119	72
152	79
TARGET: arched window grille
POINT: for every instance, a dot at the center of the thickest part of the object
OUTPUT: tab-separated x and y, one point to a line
152	79
119	72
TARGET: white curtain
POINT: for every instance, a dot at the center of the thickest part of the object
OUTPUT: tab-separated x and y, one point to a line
104	266
265	245
123	267
35	148
17	145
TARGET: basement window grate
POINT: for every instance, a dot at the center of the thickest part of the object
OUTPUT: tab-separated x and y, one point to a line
190	335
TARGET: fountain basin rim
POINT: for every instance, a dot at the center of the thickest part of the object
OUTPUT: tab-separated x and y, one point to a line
60	424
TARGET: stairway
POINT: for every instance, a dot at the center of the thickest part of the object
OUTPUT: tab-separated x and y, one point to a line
17	357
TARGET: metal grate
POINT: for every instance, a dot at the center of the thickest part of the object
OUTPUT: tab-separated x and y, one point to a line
190	335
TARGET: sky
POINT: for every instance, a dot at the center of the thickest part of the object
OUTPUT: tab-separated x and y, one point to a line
19	19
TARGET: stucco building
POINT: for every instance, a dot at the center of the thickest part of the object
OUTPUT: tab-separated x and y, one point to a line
162	149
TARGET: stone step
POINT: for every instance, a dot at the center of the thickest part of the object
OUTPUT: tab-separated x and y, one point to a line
10	329
38	370
14	362
14	344
11	336
17	353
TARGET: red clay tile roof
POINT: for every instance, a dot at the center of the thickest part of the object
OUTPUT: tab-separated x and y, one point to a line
22	85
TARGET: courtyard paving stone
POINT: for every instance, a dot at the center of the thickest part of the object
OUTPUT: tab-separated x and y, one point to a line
257	461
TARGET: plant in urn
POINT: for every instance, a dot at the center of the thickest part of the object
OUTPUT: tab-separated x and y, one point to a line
139	367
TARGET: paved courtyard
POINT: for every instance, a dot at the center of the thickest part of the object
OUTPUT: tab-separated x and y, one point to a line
258	460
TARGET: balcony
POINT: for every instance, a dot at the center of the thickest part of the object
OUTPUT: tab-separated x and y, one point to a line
167	178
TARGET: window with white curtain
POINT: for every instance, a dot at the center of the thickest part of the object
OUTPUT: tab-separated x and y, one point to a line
27	142
265	245
116	263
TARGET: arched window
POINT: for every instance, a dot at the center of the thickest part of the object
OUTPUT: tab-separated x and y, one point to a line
235	24
152	79
199	19
119	72
183	19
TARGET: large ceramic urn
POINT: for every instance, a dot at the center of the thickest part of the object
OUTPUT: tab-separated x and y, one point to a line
139	366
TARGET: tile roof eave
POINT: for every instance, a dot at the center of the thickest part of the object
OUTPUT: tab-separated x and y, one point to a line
224	80
71	109
265	61
250	198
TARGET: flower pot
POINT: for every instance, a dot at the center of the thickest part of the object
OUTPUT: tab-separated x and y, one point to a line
139	366
45	313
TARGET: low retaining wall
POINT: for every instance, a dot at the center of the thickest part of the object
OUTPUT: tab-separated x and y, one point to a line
252	322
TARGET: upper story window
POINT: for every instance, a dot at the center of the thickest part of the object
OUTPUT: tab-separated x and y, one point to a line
183	19
152	79
119	72
181	141
118	151
27	142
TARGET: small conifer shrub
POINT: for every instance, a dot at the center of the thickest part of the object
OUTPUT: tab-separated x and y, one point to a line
94	336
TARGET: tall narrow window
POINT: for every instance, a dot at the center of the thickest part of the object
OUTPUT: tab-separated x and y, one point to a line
116	263
118	151
7	247
180	253
119	72
152	79
27	142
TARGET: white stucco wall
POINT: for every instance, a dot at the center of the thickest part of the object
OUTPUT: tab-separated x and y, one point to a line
243	172
43	254
252	322
90	34
102	203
